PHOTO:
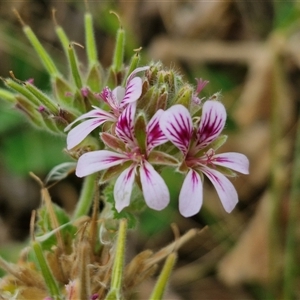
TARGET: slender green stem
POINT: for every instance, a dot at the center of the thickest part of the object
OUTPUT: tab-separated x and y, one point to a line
117	271
291	242
86	196
163	279
48	277
118	267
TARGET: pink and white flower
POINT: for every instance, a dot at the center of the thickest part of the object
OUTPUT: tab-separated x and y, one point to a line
136	159
177	125
117	100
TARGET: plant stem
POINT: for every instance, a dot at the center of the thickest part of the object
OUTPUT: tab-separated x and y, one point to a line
86	196
163	279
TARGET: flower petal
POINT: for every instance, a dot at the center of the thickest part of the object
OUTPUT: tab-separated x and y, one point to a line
81	131
155	136
191	194
235	161
95	161
95	113
176	124
155	190
224	188
132	74
117	96
123	188
133	91
211	124
125	124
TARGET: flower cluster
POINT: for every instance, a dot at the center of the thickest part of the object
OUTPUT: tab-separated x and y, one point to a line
137	142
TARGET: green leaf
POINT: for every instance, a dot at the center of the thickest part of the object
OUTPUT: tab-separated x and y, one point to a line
60	172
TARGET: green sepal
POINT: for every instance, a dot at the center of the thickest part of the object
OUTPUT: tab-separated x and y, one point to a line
140	131
219	142
184	96
74	67
155	99
94	78
63	92
112	142
226	171
215	145
24	105
79	102
113	78
162	101
41	52
183	168
162	158
153	72
91	99
148	101
112	172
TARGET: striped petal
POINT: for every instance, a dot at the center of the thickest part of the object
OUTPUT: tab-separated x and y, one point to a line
224	188
155	136
191	194
155	191
133	91
125	124
94	113
123	188
135	71
232	160
176	124
81	131
95	161
211	124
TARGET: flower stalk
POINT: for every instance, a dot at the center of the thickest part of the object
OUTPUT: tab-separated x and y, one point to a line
163	279
118	266
86	196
